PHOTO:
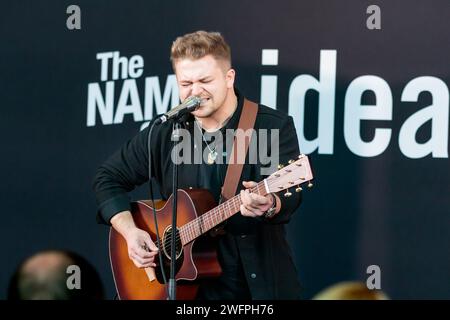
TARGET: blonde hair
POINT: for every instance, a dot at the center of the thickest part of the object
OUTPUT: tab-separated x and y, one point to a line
198	44
351	290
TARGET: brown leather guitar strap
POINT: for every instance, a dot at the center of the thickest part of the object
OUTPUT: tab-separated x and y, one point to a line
237	157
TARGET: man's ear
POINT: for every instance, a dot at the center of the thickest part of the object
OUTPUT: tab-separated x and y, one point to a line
230	75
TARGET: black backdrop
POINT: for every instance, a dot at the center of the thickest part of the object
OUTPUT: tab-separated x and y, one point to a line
389	210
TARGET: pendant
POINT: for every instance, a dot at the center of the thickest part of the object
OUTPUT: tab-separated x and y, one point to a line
212	157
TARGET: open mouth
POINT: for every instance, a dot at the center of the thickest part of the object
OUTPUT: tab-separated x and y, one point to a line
204	100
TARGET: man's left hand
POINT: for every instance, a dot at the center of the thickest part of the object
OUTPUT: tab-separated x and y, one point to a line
254	205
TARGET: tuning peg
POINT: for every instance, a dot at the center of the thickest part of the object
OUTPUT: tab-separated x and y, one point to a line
298	189
280	166
291	161
287	194
310	185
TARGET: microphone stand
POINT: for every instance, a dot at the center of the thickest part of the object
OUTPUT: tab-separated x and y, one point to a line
172	282
190	104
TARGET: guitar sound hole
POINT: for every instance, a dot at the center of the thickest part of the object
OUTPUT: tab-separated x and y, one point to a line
167	239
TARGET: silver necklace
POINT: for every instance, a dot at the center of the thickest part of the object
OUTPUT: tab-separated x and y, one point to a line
212	155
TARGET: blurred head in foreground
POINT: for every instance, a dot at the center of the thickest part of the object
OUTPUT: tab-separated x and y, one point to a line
350	291
51	275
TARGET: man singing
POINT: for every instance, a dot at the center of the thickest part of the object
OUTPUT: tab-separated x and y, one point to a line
252	251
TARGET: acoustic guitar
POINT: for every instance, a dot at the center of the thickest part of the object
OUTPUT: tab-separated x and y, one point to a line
196	256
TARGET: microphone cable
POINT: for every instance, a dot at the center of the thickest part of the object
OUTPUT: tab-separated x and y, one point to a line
158	239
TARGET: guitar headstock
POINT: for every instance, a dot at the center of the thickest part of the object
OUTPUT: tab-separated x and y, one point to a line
296	173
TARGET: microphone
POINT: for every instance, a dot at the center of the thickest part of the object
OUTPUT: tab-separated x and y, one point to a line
188	105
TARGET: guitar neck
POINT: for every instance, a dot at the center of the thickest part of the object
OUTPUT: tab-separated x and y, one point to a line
195	228
294	174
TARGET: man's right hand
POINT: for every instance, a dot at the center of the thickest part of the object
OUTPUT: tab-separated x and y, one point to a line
141	249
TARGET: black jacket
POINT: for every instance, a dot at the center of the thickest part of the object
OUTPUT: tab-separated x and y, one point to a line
264	252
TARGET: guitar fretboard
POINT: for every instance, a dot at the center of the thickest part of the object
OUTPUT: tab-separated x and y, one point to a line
195	228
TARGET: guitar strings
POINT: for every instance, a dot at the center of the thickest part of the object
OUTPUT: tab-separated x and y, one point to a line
211	215
190	227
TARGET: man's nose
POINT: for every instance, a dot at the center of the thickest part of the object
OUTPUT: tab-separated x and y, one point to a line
196	89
